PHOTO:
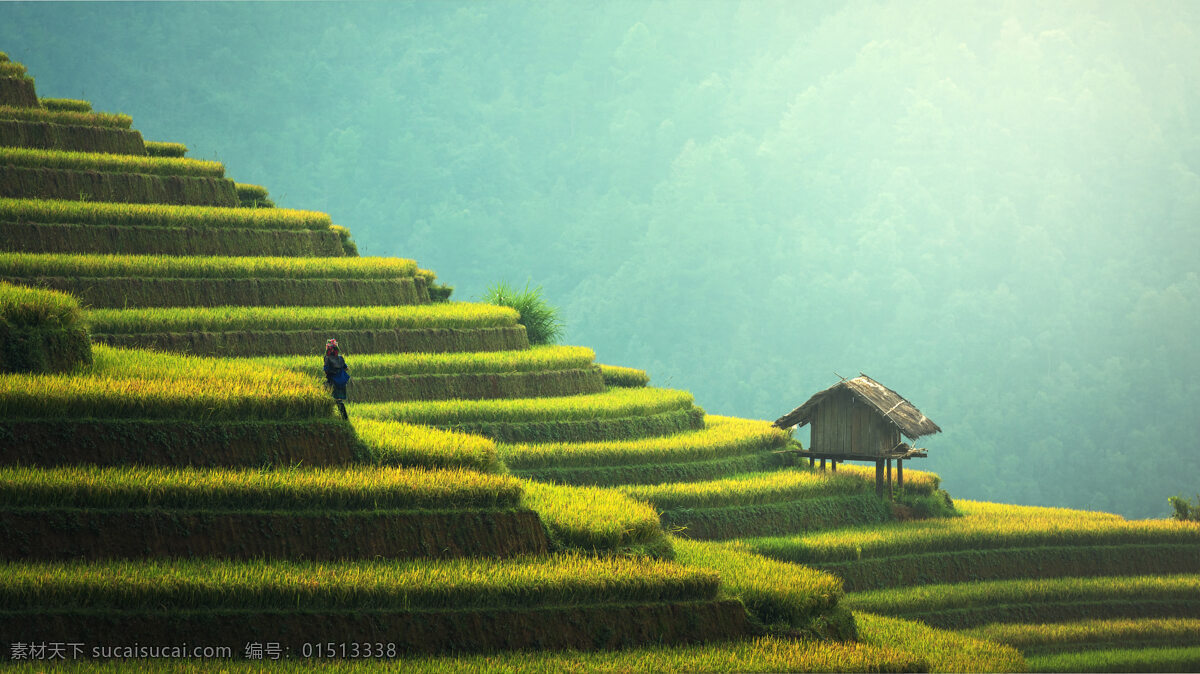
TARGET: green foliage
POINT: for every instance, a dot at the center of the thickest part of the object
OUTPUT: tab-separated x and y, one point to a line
477	386
539	318
751	489
588	429
624	376
943	650
1185	510
777	592
102	119
66	104
115	163
160	149
597	520
224	319
349	248
220	489
41	331
157	215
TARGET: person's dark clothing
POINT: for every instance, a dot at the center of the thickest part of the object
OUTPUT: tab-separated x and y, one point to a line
336	376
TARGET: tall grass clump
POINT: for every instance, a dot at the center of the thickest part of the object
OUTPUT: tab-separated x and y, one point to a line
156	148
41	331
540	319
1185	510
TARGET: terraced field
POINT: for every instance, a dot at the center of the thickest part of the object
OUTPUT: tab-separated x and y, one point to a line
183	477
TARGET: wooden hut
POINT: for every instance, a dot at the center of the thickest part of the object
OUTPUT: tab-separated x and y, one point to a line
861	420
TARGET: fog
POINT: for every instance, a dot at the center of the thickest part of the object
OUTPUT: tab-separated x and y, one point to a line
992	208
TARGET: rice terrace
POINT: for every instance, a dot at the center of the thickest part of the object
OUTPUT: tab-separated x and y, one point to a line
178	491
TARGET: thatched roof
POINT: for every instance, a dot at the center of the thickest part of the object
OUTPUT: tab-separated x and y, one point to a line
903	414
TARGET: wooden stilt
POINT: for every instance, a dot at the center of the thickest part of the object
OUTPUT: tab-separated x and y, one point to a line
812	462
889	478
822	465
833	465
900	473
879	478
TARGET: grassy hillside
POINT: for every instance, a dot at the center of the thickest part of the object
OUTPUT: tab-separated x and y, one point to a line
183	475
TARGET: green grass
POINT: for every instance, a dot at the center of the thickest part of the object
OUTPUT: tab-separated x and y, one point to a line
66	104
722	437
653	473
137	240
145	385
12	69
615	375
777	592
1045	638
253	196
943	651
32	308
455	584
1179	659
104	119
156	148
751	489
808	514
1042	561
228	319
114	163
596	520
391	443
221	489
46	136
536	359
614	403
760	654
40	331
25	265
158	215
1042	600
985	525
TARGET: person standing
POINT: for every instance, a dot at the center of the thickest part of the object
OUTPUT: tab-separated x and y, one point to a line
337	375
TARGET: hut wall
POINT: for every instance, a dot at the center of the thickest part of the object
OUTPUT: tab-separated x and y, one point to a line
842	424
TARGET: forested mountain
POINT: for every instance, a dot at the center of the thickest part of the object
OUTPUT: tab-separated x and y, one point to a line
993	208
